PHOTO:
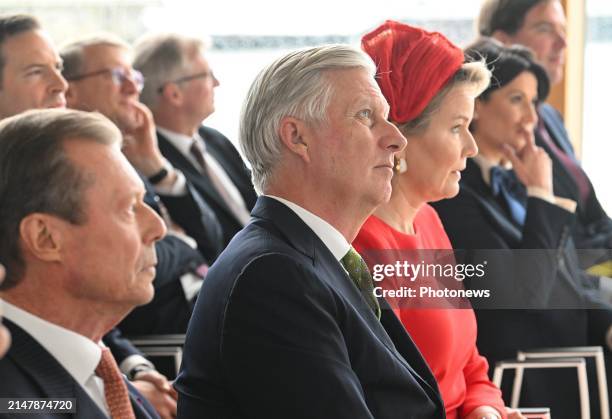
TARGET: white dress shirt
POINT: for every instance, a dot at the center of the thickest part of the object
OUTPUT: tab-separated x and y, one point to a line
183	144
331	237
78	355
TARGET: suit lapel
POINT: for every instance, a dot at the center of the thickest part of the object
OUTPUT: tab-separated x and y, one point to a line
232	163
202	181
556	129
303	239
48	374
564	183
472	183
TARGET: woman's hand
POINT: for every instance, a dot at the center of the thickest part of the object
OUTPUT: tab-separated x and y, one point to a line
532	166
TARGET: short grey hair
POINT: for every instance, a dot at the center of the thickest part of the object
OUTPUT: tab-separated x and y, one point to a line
36	175
73	53
161	58
474	74
294	85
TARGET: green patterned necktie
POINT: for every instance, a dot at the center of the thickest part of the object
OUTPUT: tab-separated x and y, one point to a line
359	273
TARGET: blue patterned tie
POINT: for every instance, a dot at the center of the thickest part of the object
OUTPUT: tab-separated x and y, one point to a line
504	183
358	271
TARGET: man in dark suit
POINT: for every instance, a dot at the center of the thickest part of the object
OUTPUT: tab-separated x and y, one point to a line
287	325
180	93
79	252
101	79
540	25
31	79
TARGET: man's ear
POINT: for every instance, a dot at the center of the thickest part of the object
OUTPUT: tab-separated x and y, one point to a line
502	37
71	96
172	94
41	236
294	134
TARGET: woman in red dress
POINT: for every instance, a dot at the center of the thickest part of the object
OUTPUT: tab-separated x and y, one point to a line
431	95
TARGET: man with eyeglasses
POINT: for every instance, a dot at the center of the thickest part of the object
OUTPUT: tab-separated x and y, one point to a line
30	78
179	90
102	79
541	26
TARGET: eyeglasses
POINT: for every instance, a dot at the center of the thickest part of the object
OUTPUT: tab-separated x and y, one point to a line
184	79
119	75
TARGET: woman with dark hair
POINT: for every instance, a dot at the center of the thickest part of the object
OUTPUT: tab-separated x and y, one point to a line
507	214
431	97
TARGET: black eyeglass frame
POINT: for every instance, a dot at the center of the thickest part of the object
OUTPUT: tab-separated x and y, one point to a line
184	79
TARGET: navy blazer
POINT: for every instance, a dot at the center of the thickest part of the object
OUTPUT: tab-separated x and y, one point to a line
537	266
593	227
280	331
228	157
28	370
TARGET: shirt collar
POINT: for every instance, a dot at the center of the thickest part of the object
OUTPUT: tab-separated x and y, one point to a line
182	142
486	165
331	237
77	354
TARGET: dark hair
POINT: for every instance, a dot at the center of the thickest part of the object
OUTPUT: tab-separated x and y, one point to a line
504	15
506	63
37	176
11	25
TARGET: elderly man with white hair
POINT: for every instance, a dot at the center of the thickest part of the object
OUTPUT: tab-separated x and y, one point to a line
287	325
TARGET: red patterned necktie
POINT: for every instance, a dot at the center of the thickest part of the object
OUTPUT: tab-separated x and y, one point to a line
115	389
581	179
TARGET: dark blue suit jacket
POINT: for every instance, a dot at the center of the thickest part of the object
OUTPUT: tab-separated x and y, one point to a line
228	157
593	227
28	370
280	331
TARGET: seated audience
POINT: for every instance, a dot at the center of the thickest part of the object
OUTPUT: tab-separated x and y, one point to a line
541	26
30	69
101	79
434	116
287	325
78	247
180	91
512	219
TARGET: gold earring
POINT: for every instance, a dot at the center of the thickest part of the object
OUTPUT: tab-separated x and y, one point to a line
399	165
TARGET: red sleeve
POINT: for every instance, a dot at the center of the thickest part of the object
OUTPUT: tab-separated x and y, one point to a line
480	390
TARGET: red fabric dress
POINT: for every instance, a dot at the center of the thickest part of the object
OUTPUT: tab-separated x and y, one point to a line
445	337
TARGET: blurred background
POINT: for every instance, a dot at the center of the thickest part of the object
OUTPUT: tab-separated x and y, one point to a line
246	35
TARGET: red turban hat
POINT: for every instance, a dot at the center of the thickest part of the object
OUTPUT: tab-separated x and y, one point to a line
413	65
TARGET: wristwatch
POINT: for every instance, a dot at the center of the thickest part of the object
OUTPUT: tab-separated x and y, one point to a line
138	369
159	176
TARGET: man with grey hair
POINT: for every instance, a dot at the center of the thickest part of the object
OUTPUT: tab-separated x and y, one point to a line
179	90
101	78
540	25
31	79
78	244
287	325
